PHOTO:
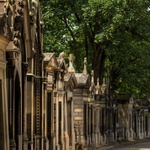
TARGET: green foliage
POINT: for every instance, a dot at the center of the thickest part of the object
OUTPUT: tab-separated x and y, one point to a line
114	35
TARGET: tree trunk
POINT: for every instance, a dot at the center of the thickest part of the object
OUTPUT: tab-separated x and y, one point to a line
98	62
86	48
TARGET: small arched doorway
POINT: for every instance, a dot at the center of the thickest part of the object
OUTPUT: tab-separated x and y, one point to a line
17	111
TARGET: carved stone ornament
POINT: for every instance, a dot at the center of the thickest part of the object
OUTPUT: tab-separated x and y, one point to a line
61	59
81	78
92	77
7	20
98	87
85	66
67	77
61	55
71	68
20	3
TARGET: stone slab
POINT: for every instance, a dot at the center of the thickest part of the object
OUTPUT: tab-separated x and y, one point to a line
78	118
78	110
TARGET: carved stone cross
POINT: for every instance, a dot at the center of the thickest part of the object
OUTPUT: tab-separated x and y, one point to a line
85	66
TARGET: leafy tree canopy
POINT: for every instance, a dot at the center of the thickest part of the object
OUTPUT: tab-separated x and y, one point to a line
114	35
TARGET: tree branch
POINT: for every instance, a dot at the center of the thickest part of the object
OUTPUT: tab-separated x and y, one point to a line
74	41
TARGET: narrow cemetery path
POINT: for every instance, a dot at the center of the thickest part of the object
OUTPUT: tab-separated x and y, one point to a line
135	146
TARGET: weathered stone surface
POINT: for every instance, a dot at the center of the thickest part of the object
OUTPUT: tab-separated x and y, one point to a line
78	110
51	106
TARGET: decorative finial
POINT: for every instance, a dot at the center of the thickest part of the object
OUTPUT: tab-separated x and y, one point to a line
104	81
59	82
70	60
98	87
61	55
98	82
103	87
85	66
71	68
92	76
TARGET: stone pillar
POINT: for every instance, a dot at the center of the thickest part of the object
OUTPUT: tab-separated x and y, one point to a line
10	74
100	125
51	97
72	127
136	123
66	125
128	124
139	123
25	138
112	125
130	136
86	124
57	123
32	114
90	136
46	145
93	126
4	125
62	120
142	124
52	144
43	140
115	124
30	110
97	127
132	126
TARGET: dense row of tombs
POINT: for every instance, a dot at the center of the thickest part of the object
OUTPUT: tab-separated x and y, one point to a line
45	104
